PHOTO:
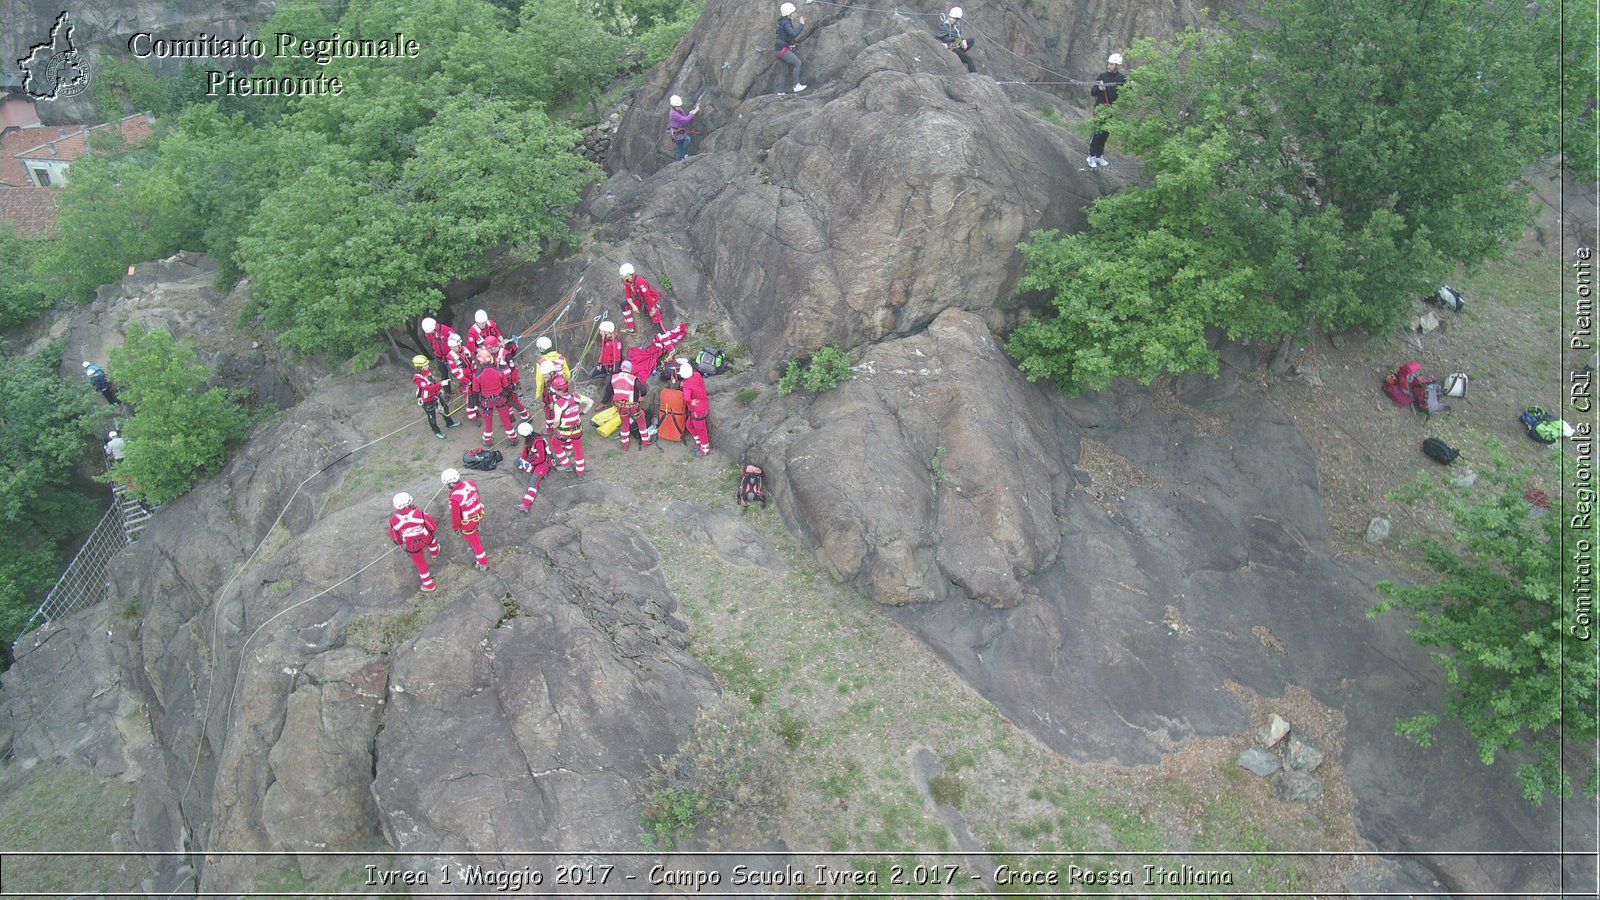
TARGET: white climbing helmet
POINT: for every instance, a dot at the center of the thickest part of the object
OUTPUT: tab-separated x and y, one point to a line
455	340
86	364
607	326
685	370
543	344
428	325
112	436
449	476
955	12
402	500
525	429
675	101
1114	59
480	317
786	10
625	269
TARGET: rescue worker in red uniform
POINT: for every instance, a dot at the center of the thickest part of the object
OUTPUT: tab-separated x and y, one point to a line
414	531
535	460
639	295
698	404
438	336
466	511
482	329
463	370
610	348
569	408
491	387
428	389
505	356
627	390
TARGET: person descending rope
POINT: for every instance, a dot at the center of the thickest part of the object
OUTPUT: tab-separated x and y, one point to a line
461	368
639	295
569	409
783	46
482	329
1104	93
100	381
438	337
627	390
428	390
952	39
414	530
114	449
535	460
466	511
678	123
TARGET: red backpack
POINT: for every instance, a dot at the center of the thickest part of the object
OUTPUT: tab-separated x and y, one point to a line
1398	385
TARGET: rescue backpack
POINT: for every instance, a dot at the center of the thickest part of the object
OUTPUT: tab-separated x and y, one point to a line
753	486
482	459
1447	297
710	362
1398	385
1541	426
1439	451
1427	396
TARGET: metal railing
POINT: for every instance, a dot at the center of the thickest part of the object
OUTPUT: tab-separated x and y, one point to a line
84	582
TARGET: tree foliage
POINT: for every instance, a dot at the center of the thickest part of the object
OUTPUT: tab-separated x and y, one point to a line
180	429
1513	639
20	296
1320	170
44	424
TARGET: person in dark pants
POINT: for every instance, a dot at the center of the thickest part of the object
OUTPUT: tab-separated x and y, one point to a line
1104	93
788	36
952	39
101	382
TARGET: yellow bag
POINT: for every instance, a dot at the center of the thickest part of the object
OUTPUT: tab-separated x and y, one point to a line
606	421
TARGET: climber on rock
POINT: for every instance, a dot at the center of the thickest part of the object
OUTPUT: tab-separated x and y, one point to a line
1104	94
678	123
788	71
953	41
466	512
639	295
414	531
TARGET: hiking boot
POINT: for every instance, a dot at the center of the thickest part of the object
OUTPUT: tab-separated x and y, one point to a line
439	435
450	424
798	88
528	508
429	590
481	567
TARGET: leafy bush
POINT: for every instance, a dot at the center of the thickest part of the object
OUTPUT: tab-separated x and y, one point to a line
20	296
723	785
44	424
828	368
660	39
1512	634
179	432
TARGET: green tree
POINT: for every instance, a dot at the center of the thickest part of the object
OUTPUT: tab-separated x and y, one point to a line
1317	171
20	296
44	425
1512	636
1580	77
180	429
116	209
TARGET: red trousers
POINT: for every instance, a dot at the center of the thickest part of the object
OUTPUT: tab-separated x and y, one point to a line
634	422
505	421
701	434
420	559
574	442
470	532
533	486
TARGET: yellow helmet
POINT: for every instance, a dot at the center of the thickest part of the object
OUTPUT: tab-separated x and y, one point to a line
419	361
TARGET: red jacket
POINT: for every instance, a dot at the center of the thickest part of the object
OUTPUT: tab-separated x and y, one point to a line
490	383
643	294
461	366
624	389
440	340
428	387
466	507
412	529
477	333
610	353
568	413
695	399
536	453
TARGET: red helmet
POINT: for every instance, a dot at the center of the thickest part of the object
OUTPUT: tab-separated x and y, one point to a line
558	382
491	341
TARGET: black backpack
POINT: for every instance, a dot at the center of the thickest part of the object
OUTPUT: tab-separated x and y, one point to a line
753	486
710	362
481	459
1447	297
1439	451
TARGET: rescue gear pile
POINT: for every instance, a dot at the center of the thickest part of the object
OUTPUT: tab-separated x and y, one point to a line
482	459
710	362
1540	425
1447	297
1398	385
752	486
